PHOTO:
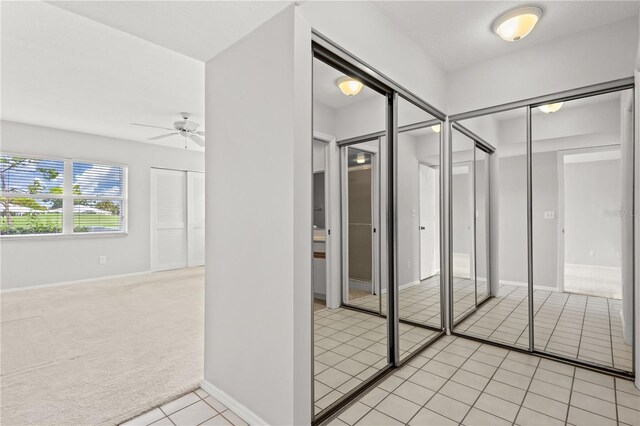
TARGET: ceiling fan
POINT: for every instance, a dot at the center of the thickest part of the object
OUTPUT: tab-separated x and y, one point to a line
184	128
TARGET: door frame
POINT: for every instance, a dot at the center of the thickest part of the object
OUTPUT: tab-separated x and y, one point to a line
375	219
437	231
561	201
190	227
152	213
332	250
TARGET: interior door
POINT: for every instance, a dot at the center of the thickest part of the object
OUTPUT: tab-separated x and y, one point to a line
196	218
168	219
360	200
429	222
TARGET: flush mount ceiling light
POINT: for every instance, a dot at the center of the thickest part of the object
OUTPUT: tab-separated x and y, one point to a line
360	158
550	107
516	24
436	128
349	86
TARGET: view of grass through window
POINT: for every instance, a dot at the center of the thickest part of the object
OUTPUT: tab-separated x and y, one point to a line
34	201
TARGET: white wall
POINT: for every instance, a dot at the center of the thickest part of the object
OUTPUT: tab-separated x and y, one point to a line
324	119
62	259
258	280
595	56
364	31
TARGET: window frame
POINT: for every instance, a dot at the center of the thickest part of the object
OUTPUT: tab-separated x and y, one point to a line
68	199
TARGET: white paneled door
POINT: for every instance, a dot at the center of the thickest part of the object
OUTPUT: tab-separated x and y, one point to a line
177	219
429	222
195	222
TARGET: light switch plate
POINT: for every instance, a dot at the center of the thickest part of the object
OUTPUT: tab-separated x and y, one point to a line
550	215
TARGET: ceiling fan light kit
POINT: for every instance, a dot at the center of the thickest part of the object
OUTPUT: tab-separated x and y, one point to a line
184	128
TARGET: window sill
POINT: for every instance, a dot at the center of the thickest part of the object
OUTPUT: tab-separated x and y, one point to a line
62	236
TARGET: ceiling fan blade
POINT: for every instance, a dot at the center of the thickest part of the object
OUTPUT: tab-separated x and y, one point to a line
197	139
155	127
162	136
200	132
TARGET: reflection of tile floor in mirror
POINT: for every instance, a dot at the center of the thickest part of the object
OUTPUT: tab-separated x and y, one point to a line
351	346
573	325
421	302
459	381
586	327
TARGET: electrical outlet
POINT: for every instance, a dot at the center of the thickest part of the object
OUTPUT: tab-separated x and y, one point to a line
103	260
592	252
408	264
618	254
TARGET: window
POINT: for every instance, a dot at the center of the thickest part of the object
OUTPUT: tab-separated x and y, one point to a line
65	197
97	198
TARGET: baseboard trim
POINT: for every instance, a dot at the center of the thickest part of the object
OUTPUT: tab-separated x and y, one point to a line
231	403
536	287
86	280
403	286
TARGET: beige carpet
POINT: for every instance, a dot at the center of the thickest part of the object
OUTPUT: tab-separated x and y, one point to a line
100	352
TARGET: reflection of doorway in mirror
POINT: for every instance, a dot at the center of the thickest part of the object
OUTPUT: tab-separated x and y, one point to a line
319	267
429	221
463	219
590	245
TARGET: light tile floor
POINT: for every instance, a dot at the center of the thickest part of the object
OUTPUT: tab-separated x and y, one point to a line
350	346
460	381
577	326
574	325
194	408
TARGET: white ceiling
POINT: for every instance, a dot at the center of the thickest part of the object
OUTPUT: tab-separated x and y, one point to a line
199	29
110	63
64	71
458	33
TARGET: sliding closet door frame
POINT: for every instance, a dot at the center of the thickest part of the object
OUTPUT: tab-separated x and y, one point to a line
376	277
336	57
483	145
530	103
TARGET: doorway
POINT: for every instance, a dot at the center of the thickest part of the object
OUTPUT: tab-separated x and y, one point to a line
177	219
360	200
589	254
429	220
470	197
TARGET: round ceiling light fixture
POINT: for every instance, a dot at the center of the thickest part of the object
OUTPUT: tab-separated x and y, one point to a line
516	24
436	128
349	86
548	108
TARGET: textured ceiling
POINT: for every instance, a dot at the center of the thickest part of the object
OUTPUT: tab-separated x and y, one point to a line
199	29
64	71
458	33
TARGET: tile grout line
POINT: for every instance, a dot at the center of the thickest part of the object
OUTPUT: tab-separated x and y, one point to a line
532	319
504	298
424	406
404	380
584	315
564	305
527	393
485	387
573	380
360	351
507	317
613	358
